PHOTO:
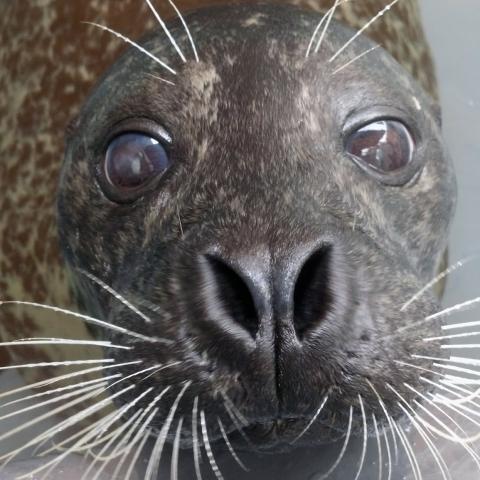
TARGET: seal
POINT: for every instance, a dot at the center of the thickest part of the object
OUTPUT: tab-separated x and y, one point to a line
269	202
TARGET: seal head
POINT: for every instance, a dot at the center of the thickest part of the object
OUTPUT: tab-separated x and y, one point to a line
270	213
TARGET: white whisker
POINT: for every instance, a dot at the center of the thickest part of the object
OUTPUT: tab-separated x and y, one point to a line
433	450
437	279
417	473
166	30
50	432
60	398
89	319
379	447
208	447
327	24
387	416
114	293
142	430
50	465
62	341
196	447
175	451
365	439
312	421
451	337
343	450
319	26
229	446
355	59
460	346
187	30
58	364
61	389
367	25
154	461
133	44
156	77
389	453
430	445
67	376
456	308
137	454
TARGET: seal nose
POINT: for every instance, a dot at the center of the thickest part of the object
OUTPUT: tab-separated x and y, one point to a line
246	291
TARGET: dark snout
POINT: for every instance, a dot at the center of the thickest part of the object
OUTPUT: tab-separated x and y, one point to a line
262	310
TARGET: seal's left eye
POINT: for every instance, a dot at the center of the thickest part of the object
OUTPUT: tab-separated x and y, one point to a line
132	162
385	146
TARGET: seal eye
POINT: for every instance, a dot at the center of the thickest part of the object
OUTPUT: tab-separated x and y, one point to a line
132	162
385	146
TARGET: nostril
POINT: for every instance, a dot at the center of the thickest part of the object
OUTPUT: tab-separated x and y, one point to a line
233	294
312	294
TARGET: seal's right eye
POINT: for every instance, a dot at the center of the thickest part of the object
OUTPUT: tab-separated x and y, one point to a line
133	161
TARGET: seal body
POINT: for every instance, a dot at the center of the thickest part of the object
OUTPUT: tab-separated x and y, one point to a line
272	265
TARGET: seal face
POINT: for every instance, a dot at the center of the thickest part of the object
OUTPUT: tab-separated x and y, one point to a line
270	212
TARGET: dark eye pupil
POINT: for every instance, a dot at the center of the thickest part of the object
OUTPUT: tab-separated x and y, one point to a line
385	145
133	160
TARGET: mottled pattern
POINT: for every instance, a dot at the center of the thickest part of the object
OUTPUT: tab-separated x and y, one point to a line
49	63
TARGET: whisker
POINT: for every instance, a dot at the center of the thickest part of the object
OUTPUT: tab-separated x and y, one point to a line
379	447
67	376
343	450
233	408
355	59
142	430
10	455
327	24
208	447
175	451
389	453
433	450
187	30
154	461
469	398
59	390
437	279
365	438
161	79
166	30
465	346
229	446
60	398
101	455
319	25
136	374
451	337
452	435
367	25
196	448
458	326
133	44
137	454
88	319
113	292
460	307
462	360
159	368
387	416
50	465
58	364
417	473
312	421
62	341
